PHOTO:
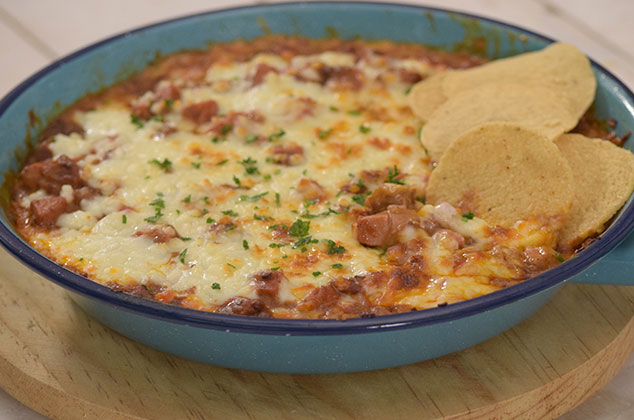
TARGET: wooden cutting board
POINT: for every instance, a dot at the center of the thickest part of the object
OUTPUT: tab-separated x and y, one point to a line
63	364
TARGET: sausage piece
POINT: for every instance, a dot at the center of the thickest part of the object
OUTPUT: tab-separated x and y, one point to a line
391	194
200	112
239	305
267	283
46	211
50	175
382	229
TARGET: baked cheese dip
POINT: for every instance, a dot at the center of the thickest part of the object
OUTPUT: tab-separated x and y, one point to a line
278	178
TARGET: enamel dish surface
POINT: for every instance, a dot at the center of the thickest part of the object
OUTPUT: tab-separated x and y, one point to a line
306	346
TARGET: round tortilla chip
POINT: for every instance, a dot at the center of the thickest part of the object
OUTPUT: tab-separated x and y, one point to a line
603	180
506	173
560	67
534	107
427	96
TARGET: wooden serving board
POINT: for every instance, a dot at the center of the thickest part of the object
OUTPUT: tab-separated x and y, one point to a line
63	364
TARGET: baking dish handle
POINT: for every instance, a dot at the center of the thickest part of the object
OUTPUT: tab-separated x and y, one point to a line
616	268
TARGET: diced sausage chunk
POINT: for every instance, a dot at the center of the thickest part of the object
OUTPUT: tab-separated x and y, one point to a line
408	76
311	190
261	71
267	283
391	194
320	298
46	211
201	112
342	77
538	259
239	305
50	175
287	154
382	229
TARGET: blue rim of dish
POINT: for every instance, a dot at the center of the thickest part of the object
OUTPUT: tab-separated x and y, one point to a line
309	327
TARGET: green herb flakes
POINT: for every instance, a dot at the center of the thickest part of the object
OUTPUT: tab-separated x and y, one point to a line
181	256
299	228
165	165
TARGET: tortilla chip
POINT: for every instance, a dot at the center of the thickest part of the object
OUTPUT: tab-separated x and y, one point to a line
534	107
507	173
603	180
559	67
427	96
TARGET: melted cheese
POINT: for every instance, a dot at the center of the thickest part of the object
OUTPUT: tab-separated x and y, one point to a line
192	179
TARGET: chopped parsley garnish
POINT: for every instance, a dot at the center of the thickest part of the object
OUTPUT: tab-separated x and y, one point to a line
338	266
323	134
245	244
136	120
277	227
316	273
277	199
360	198
277	135
267	177
211	220
304	241
354	112
188	198
124	219
222	162
467	216
307	215
364	129
169	103
258	217
185	238
196	165
147	289
226	128
158	118
392	173
230	213
215	286
206	199
333	108
250	166
159	205
408	90
333	248
274	268
420	200
236	180
299	228
166	165
256	197
251	139
231	265
274	245
181	256
559	257
218	139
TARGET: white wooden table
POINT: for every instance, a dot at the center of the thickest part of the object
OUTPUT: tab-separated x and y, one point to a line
36	32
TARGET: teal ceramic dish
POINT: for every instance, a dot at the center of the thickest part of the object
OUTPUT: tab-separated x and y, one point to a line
305	346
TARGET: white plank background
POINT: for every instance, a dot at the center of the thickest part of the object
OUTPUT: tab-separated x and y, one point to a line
36	32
